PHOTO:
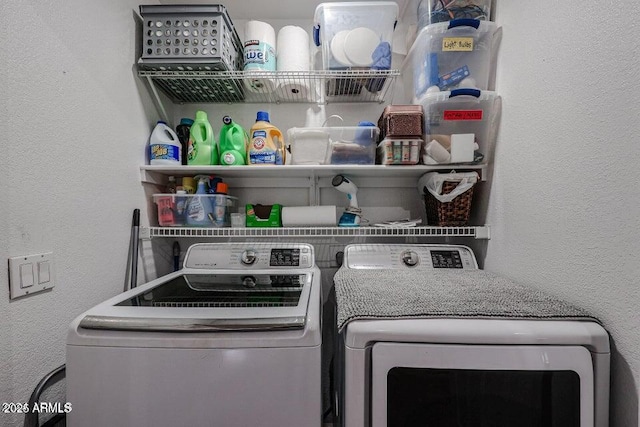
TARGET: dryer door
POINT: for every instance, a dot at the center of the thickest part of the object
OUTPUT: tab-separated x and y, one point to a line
474	385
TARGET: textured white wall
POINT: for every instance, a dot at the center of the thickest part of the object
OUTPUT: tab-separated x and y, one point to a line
565	200
74	123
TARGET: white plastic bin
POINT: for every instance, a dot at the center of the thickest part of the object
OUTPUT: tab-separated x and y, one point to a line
460	126
343	145
353	34
450	55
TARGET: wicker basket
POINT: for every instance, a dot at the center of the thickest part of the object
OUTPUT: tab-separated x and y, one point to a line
452	214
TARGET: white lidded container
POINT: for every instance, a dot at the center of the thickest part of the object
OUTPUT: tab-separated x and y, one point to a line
460	126
338	145
164	146
353	34
451	55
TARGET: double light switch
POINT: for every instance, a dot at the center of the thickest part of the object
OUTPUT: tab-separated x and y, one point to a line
30	274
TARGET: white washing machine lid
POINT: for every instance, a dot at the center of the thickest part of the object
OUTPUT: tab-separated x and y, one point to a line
360	334
207	301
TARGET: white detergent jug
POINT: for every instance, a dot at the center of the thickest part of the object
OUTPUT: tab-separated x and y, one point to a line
164	146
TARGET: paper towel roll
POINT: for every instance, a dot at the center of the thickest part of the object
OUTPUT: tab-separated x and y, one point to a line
293	49
259	56
259	82
259	46
293	91
293	55
309	216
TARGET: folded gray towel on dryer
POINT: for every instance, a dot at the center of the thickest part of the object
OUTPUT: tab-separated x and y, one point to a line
394	294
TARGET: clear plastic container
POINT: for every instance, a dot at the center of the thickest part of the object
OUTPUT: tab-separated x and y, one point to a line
345	145
451	55
460	126
173	209
434	11
355	34
399	151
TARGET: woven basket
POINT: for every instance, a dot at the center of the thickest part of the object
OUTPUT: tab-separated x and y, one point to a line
452	214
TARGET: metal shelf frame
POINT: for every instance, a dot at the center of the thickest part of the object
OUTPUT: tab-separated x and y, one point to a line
477	232
318	87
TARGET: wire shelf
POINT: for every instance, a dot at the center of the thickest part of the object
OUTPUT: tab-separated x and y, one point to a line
196	86
478	232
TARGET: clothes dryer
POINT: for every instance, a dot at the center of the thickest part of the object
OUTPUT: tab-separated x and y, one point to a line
426	338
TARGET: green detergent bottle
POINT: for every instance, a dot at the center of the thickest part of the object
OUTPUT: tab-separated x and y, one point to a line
233	143
203	150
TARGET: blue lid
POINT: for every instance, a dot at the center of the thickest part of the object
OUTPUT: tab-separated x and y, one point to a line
262	116
186	121
364	123
161	121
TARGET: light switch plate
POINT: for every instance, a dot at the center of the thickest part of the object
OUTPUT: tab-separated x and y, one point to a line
30	274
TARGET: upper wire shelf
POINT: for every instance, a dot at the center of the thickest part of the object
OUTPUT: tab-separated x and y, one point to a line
198	86
478	232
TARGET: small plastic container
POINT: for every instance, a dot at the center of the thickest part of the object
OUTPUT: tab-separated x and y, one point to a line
451	55
401	121
345	145
460	126
434	11
353	34
173	209
399	151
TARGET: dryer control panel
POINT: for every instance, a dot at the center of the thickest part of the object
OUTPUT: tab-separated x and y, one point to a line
250	256
421	257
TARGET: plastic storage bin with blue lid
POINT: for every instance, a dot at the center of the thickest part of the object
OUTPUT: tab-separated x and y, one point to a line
355	35
460	126
451	55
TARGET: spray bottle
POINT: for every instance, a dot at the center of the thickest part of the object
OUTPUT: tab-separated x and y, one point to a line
203	150
199	207
233	143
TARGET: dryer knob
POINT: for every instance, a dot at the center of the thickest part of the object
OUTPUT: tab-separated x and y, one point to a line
248	257
410	258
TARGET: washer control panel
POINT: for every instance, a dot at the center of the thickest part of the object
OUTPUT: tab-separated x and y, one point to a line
243	256
421	257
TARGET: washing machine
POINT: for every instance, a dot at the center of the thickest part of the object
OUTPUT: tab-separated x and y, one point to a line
428	339
232	339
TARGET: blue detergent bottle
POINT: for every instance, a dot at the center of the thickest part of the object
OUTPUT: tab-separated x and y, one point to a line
199	209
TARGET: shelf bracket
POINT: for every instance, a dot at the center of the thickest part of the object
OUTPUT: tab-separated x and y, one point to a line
483	233
159	105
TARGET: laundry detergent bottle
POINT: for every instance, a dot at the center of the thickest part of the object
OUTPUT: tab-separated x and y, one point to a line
164	146
199	210
202	145
266	146
233	143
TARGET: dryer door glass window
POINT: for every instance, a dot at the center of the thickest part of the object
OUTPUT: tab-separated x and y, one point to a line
462	397
442	385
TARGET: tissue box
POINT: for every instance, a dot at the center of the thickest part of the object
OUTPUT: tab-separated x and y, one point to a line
264	215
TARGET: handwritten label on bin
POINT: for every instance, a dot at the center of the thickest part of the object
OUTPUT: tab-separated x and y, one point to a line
462	115
457	44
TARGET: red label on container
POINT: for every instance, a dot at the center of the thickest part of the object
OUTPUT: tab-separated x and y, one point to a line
462	115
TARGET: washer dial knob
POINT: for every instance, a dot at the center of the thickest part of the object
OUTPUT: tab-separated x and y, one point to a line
410	258
248	257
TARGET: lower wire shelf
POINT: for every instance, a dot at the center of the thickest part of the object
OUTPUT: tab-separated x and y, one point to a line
477	232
